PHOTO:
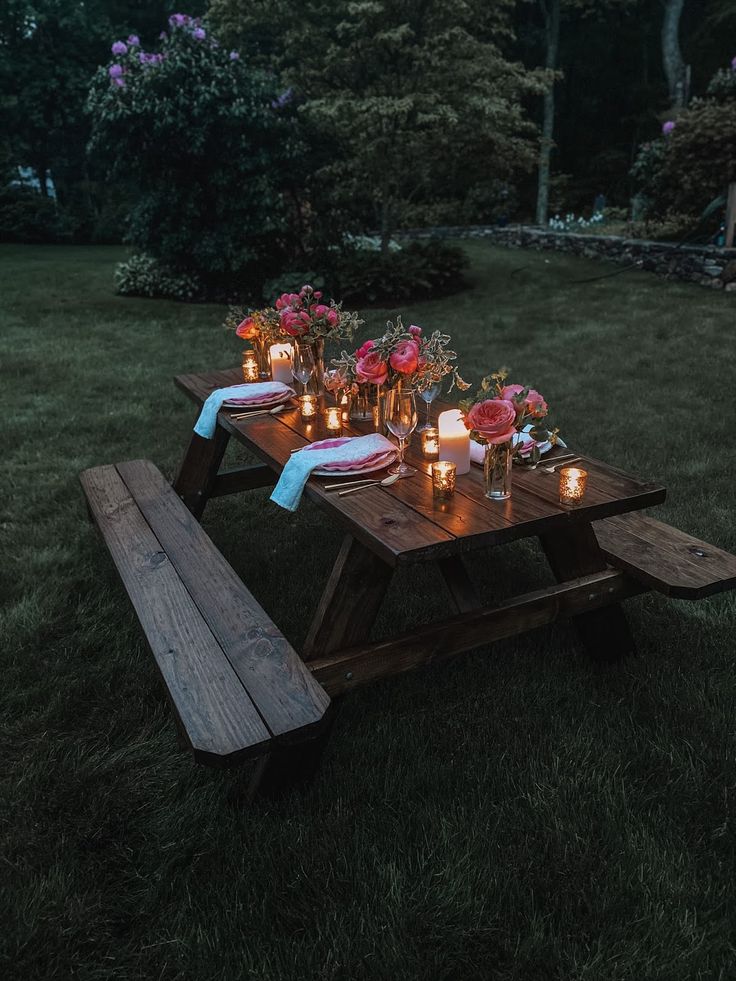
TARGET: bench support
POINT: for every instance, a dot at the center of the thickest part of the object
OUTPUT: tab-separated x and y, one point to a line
575	552
198	471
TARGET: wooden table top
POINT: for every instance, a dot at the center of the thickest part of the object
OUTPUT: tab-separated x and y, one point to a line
401	523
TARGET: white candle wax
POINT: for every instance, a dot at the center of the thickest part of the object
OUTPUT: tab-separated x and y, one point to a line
454	440
281	363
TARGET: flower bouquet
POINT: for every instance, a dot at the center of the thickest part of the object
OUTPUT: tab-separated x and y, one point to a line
508	421
261	327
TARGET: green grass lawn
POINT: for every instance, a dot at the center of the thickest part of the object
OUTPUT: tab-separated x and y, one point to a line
513	814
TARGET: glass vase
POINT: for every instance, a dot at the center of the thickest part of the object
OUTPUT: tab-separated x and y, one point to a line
497	471
317	381
260	346
360	404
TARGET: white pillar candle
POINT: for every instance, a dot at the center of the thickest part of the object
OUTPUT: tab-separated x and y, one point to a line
454	440
281	363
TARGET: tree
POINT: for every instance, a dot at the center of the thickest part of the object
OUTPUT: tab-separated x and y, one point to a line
676	71
395	89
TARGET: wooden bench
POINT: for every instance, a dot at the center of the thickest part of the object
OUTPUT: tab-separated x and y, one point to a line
665	558
238	688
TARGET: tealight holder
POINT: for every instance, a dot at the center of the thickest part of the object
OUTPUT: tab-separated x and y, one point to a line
430	443
572	485
308	407
250	366
333	420
443	480
344	403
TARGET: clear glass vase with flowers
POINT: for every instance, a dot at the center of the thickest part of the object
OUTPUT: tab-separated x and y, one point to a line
261	327
507	419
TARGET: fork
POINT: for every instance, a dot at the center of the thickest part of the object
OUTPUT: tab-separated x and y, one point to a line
561	463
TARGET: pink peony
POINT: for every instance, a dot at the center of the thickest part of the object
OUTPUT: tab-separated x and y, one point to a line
371	369
319	309
494	419
364	349
405	357
534	402
333	317
415	331
247	329
295	322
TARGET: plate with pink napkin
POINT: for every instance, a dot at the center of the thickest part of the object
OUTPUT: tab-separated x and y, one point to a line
259	395
374	461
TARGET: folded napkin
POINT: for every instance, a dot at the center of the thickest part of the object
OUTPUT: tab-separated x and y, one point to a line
356	451
252	393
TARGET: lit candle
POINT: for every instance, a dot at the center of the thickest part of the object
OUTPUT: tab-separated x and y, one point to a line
572	485
430	444
250	366
454	440
333	420
376	415
281	363
345	406
443	480
308	405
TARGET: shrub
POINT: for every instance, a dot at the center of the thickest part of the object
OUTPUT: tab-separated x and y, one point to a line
199	134
419	271
27	216
142	275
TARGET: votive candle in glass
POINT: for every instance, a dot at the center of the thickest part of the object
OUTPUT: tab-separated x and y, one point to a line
376	415
250	366
308	407
454	440
333	419
572	485
443	480
430	444
344	403
281	363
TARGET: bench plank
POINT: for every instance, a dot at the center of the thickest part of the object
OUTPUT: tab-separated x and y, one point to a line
288	698
218	717
669	560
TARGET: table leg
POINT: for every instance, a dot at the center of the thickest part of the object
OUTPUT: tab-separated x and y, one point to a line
575	552
199	468
350	601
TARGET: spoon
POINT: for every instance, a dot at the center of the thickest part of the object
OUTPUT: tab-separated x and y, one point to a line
386	482
562	463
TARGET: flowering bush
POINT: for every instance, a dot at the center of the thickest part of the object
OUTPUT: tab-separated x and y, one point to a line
192	128
142	275
499	412
403	355
570	223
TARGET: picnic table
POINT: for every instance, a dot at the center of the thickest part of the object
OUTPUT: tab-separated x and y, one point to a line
239	689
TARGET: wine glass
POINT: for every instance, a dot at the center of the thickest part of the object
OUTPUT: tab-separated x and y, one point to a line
401	419
429	395
302	364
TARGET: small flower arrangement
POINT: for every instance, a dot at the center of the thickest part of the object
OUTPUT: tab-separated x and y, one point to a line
304	316
499	412
258	326
401	355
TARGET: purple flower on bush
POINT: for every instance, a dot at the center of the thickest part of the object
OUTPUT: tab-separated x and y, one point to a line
134	41
283	100
120	82
179	20
234	55
150	59
119	48
668	127
115	71
733	64
199	33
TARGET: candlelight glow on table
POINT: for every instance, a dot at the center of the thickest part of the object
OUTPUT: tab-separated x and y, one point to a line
281	363
454	440
308	407
430	443
572	485
250	366
443	480
333	419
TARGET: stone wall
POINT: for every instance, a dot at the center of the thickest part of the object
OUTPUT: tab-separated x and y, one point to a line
704	264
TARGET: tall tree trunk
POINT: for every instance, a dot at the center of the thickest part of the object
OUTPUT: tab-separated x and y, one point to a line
676	71
551	12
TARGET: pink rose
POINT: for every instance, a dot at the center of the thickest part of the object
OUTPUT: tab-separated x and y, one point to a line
333	317
494	419
405	357
319	309
364	349
318	294
415	331
371	369
295	322
534	403
247	329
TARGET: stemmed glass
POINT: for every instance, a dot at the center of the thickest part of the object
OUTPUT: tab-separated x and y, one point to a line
429	395
302	364
401	419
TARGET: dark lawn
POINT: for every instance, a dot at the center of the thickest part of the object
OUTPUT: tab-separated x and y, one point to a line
514	814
